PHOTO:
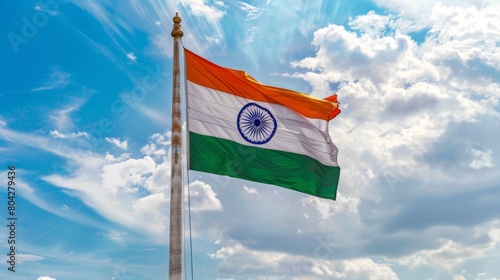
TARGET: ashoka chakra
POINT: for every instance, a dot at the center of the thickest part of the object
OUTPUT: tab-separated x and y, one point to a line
256	124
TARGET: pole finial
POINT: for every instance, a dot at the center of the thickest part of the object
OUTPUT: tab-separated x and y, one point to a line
176	31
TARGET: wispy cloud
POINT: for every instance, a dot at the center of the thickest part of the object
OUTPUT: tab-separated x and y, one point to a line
153	114
57	79
73	135
200	8
112	23
47	204
115	141
252	12
131	57
117	236
29	258
250	190
40	142
62	117
101	49
53	12
114	191
118	181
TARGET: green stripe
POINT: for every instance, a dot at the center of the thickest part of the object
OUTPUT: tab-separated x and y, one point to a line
284	169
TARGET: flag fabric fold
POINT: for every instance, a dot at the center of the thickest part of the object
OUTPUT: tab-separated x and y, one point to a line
241	128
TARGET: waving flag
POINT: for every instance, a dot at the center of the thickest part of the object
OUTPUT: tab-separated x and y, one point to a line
241	128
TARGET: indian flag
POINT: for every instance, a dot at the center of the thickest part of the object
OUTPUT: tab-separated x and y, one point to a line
241	128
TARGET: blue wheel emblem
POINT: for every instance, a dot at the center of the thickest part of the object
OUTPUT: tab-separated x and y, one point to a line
256	124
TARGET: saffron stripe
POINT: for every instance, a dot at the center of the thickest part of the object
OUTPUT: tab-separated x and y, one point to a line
236	82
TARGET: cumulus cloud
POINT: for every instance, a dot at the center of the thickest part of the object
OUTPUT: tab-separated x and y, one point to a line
130	192
238	260
127	176
399	94
203	198
451	253
417	140
415	115
158	144
326	208
418	10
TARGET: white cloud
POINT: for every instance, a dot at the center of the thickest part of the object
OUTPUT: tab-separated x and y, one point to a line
158	145
127	176
203	198
238	260
163	45
459	277
398	94
57	79
22	258
73	135
250	190
116	236
252	12
252	33
155	115
200	8
213	40
45	278
111	23
122	190
418	10
481	159
410	115
51	11
452	253
327	208
131	56
370	24
400	98
127	191
120	144
62	117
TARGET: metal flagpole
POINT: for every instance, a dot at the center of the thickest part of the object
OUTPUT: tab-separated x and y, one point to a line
175	254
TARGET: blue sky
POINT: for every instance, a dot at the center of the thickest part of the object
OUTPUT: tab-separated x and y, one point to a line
85	117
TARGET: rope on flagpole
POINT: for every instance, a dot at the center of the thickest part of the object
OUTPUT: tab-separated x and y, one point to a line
187	174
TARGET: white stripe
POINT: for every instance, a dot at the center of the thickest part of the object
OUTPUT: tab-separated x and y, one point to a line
214	113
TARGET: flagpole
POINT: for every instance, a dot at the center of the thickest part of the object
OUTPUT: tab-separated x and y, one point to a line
176	228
